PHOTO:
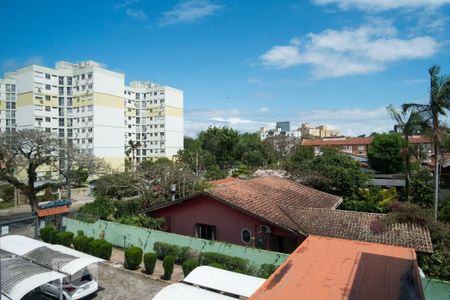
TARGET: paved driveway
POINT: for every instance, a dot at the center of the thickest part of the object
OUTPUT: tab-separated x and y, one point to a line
115	283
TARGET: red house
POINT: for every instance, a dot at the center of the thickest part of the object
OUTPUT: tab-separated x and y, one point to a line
245	212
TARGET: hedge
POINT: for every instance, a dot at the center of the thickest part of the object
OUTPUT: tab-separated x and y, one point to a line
53	236
168	263
217	265
105	250
45	233
64	238
231	263
188	266
266	270
149	262
181	254
81	243
133	258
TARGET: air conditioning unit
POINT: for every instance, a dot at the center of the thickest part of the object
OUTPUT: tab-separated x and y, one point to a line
265	229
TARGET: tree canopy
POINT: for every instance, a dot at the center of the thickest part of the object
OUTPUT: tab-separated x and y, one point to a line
384	153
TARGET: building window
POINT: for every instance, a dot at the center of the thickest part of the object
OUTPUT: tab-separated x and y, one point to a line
207	232
246	236
47	108
47	87
47	76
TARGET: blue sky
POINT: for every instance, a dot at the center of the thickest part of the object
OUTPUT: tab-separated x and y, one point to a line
246	64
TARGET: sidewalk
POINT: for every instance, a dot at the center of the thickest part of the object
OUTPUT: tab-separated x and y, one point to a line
117	257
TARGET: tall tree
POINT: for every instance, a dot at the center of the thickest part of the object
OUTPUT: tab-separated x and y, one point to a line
131	149
438	104
27	150
407	125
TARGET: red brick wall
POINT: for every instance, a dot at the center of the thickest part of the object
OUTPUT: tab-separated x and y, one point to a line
229	222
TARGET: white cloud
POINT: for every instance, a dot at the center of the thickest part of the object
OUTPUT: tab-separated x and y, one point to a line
189	11
264	109
382	5
351	121
125	3
137	14
10	65
366	49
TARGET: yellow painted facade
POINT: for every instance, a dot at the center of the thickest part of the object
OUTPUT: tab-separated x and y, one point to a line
174	111
108	100
2	105
116	163
24	99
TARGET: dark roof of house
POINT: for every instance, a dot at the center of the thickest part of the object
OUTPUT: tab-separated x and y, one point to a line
352	225
416	139
262	197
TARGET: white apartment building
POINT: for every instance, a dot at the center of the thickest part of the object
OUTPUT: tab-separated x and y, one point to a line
89	106
8	103
154	118
281	129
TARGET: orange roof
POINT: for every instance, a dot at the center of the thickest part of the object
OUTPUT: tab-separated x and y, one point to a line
223	181
52	211
329	268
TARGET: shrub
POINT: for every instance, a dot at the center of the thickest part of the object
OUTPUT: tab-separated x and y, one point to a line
168	263
64	238
188	266
94	247
80	232
230	262
217	265
164	249
149	262
81	243
184	254
266	270
133	258
53	236
105	250
45	233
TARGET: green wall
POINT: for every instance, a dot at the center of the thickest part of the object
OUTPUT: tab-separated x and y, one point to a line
436	289
121	235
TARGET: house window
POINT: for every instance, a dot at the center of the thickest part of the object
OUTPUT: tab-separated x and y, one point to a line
246	236
207	232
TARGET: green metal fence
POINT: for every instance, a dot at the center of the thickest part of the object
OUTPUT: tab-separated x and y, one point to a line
121	235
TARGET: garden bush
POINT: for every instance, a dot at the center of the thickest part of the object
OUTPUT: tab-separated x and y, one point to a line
184	254
105	250
94	247
45	233
149	262
231	263
168	263
53	236
64	238
164	249
81	243
266	270
80	232
217	265
188	266
133	258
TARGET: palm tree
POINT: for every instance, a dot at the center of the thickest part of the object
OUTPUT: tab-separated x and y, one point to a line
438	104
131	149
408	124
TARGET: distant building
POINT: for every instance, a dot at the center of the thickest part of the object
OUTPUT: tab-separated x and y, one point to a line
358	147
91	107
281	129
320	131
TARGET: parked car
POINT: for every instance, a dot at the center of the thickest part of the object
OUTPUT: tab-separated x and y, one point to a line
77	286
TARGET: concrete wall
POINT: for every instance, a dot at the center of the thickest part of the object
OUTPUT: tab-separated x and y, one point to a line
121	235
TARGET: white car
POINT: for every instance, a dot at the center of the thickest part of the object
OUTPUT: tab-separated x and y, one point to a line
77	286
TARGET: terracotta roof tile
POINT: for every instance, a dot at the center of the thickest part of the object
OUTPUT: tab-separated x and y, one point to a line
419	139
263	197
354	225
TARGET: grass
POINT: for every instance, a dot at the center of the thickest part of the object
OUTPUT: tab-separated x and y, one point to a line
6	204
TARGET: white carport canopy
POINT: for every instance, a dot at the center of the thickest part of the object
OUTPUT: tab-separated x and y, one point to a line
188	292
20	276
207	282
56	257
224	281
